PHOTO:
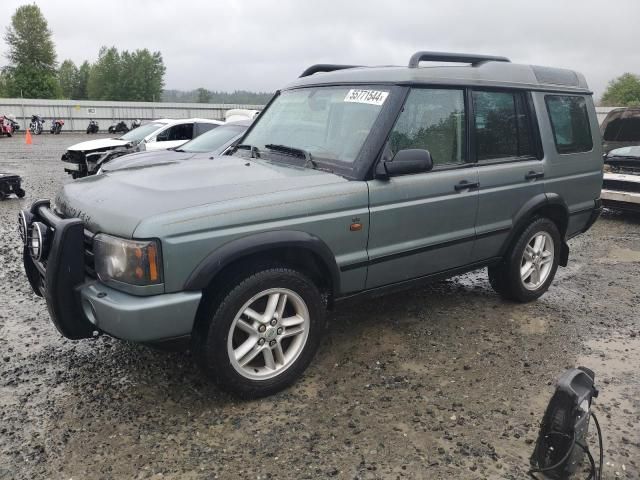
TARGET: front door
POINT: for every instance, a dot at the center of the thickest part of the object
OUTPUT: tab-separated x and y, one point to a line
424	223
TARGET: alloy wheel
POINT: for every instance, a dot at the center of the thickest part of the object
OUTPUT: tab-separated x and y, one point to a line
268	334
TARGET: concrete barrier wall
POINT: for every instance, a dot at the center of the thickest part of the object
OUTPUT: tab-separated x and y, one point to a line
77	113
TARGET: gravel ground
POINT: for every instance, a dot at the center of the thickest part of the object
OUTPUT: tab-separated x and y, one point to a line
445	381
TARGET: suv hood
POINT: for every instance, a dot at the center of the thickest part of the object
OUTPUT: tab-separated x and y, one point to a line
97	144
118	201
146	159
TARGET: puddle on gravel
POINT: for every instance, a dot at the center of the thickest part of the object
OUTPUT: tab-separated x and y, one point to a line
533	325
624	255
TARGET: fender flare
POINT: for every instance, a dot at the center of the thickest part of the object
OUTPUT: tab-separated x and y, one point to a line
525	213
241	247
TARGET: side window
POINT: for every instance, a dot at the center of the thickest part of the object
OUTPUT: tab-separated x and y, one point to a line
502	125
570	123
177	132
204	127
434	120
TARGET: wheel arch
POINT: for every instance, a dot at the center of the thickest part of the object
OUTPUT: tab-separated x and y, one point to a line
549	205
298	249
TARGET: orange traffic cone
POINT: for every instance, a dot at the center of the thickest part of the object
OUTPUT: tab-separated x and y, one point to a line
28	138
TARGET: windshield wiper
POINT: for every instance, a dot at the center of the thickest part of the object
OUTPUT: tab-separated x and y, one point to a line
178	150
296	152
255	153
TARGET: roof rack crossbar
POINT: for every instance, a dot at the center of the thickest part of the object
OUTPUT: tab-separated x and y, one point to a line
474	60
325	67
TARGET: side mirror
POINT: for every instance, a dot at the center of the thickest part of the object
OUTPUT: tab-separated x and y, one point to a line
413	160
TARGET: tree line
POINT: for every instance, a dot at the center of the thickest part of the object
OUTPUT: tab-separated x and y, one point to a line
33	70
202	95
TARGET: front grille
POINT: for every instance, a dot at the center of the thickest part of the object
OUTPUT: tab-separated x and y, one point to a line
89	263
621	186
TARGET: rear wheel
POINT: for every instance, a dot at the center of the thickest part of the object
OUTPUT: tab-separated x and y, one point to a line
258	338
530	264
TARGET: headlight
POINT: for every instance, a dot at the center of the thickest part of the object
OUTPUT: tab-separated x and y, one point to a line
37	241
136	262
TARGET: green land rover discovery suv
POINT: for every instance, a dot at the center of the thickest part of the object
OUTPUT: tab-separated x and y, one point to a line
352	180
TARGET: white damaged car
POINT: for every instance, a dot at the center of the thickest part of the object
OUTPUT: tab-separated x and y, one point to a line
621	184
86	158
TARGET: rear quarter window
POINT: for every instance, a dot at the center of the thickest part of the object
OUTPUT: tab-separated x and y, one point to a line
570	123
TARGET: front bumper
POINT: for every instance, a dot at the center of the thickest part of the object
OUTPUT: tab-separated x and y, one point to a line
621	191
80	305
139	319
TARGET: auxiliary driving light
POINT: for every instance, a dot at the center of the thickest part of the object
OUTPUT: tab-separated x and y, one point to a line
24	219
38	240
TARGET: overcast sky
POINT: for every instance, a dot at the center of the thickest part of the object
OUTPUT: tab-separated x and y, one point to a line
262	45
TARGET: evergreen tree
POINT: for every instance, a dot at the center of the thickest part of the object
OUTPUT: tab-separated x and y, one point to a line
104	77
81	92
32	58
203	95
68	78
137	75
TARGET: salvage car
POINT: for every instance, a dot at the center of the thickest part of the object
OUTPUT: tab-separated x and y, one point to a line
621	184
212	143
86	158
353	181
621	128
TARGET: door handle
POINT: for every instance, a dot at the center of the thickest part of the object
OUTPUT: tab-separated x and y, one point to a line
464	185
533	175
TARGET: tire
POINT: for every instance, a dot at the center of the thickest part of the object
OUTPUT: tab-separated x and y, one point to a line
20	193
506	278
217	336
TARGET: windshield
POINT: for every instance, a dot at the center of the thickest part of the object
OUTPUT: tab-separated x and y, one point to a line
213	139
626	152
330	123
139	133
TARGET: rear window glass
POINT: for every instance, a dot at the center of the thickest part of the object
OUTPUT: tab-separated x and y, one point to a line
570	123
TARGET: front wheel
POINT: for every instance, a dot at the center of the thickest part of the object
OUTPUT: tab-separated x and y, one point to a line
530	264
258	338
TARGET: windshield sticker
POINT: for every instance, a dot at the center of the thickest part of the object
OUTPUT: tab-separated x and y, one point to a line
372	97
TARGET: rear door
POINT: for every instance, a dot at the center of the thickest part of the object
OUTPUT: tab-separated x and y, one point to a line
423	223
510	173
573	153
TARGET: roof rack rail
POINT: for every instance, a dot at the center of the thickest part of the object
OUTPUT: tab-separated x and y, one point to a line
324	67
474	60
